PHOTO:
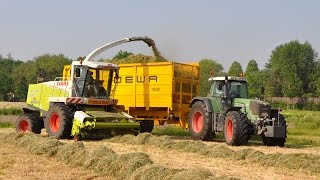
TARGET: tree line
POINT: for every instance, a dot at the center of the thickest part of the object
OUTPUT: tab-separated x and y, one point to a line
292	70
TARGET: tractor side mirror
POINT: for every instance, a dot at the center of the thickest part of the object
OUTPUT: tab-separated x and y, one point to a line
78	71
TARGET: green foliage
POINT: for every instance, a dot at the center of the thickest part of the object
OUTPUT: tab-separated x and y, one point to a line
293	65
208	68
292	86
235	69
46	67
122	54
255	79
49	66
6	68
252	67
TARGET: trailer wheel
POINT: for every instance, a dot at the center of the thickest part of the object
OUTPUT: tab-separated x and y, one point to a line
270	141
199	122
236	129
146	126
28	123
58	122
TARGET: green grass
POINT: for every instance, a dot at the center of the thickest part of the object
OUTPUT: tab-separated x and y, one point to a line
11	111
6	125
170	131
303	127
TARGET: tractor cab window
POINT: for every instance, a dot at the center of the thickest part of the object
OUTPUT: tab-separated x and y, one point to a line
238	89
217	88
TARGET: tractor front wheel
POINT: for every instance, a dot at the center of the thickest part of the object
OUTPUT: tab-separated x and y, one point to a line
58	122
28	123
200	124
236	129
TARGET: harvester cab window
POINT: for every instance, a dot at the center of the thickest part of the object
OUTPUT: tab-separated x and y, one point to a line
79	80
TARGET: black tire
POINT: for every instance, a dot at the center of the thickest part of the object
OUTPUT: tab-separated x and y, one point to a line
146	126
200	123
236	129
58	122
28	123
270	141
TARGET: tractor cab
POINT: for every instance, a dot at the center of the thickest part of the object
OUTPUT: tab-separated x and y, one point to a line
227	89
237	87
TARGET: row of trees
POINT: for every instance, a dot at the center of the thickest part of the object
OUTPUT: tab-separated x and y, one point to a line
15	75
292	70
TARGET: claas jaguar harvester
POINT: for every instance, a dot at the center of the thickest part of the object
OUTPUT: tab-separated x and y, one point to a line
228	109
80	103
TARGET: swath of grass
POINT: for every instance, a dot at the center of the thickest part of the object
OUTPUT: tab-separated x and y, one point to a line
102	159
249	155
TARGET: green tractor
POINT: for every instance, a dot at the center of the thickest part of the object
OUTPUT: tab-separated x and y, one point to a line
227	109
81	103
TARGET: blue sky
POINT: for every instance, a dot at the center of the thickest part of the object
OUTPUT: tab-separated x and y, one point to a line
184	30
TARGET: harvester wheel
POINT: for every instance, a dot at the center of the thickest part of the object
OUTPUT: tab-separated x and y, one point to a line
200	124
28	123
236	129
270	141
58	122
146	126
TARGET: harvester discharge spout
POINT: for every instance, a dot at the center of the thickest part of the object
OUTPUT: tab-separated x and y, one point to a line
107	46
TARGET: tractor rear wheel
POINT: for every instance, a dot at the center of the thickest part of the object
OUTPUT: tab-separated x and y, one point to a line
146	126
270	141
28	123
58	122
236	129
200	124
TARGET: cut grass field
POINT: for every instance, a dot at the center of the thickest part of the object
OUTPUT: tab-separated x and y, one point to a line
147	156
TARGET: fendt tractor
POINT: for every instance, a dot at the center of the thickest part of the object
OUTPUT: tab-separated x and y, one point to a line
80	103
227	109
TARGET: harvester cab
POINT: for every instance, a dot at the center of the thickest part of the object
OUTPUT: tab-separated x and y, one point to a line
228	109
81	103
